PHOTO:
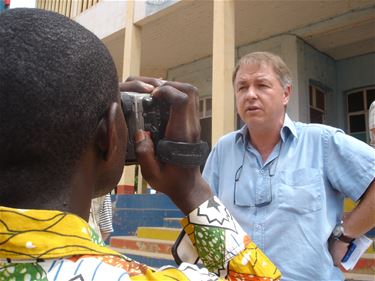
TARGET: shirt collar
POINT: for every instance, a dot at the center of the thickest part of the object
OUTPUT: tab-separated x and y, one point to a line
287	129
242	134
24	234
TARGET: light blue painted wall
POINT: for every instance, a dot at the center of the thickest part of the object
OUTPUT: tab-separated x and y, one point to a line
197	73
336	76
316	67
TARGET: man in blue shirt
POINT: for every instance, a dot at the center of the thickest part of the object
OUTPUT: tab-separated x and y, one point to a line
285	181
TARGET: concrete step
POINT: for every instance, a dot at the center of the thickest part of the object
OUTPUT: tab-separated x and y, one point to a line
126	221
156	252
127	243
359	277
371	249
172	222
132	211
152	259
161	233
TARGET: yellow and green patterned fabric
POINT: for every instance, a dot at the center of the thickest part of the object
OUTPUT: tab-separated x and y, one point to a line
223	246
53	245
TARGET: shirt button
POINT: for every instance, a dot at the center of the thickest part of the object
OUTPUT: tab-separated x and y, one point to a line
261	171
258	227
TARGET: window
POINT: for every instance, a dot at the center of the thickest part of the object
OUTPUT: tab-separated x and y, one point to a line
205	107
317	104
205	115
358	103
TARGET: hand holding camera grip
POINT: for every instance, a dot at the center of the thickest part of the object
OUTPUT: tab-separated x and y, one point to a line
182	153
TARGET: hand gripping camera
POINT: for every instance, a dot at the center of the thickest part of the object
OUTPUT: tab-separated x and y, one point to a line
142	111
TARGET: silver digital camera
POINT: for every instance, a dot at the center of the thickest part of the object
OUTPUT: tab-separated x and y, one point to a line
142	111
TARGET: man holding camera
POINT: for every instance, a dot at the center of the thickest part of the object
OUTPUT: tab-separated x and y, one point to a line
63	141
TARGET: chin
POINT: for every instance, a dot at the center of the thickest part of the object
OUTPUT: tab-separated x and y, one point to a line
251	116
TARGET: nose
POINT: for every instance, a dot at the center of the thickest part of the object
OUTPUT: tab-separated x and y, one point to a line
251	93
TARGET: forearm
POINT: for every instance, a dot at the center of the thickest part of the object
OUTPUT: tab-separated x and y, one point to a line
362	218
222	245
195	192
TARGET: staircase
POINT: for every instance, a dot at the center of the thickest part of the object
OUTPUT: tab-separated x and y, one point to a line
146	227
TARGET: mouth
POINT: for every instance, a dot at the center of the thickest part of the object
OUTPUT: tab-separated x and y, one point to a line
252	108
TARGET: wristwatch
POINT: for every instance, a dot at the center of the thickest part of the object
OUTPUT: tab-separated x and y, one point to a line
338	233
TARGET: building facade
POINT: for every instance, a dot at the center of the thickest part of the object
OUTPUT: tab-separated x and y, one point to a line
329	47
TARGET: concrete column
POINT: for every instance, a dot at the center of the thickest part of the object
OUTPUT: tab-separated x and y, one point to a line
127	179
76	8
132	46
290	54
63	9
223	55
84	5
68	8
131	66
61	6
40	4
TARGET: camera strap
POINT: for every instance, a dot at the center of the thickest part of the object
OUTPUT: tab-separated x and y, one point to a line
182	153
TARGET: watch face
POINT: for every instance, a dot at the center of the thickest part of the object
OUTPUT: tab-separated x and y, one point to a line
337	231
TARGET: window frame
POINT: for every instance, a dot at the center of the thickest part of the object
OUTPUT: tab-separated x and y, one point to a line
312	91
205	113
364	112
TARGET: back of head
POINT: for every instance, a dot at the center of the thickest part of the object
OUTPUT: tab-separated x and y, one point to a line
56	81
258	58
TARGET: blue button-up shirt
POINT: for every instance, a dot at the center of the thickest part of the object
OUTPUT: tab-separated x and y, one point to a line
290	203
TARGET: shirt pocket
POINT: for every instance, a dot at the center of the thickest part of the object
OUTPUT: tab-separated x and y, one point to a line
300	191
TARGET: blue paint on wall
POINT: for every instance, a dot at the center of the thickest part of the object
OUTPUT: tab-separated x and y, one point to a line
131	211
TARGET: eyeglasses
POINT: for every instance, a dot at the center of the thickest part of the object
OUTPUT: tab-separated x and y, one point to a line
260	201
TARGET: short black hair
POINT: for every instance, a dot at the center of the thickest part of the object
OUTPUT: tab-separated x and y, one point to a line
57	79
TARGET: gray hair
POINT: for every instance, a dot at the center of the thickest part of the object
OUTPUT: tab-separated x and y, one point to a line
278	65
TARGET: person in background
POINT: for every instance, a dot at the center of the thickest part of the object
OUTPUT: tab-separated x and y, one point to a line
100	218
63	142
285	181
4	4
371	123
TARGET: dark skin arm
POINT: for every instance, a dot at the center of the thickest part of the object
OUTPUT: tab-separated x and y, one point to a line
185	186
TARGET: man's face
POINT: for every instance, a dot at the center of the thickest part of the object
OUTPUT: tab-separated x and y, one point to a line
260	97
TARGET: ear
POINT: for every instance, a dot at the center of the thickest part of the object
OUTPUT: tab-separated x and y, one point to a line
106	133
287	93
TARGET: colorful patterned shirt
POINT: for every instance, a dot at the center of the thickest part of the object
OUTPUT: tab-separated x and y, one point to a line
53	245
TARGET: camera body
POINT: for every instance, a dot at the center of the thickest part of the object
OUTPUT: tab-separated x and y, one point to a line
142	111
